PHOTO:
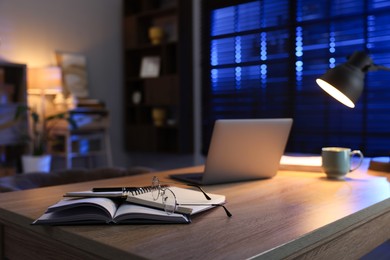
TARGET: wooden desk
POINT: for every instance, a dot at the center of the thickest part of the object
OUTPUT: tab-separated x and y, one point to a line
294	214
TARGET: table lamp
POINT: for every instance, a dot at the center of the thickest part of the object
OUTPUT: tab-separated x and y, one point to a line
345	83
44	81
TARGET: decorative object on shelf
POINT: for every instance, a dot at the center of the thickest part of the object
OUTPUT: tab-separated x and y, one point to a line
171	122
74	73
345	83
156	34
71	101
150	67
159	116
60	102
137	97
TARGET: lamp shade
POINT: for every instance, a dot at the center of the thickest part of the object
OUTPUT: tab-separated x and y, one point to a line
46	80
345	82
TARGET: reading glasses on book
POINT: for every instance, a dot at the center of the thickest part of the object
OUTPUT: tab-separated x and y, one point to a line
169	200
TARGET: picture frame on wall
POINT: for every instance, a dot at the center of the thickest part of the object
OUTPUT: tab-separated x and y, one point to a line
150	67
74	74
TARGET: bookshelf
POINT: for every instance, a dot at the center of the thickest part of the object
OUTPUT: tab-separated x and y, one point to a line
12	95
158	76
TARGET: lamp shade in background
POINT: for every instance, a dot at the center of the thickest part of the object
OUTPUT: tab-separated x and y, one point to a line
345	82
44	81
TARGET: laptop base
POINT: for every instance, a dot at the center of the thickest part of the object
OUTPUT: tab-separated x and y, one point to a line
194	178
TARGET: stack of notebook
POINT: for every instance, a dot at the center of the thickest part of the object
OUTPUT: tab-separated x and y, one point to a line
123	207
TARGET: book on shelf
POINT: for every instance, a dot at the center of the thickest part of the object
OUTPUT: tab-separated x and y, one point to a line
90	103
115	208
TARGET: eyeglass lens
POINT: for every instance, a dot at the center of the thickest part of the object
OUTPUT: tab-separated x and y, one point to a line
169	201
155	188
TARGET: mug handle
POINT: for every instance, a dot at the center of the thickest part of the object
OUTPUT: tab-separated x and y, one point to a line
360	154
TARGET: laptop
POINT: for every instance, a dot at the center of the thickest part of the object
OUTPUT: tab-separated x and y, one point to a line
241	150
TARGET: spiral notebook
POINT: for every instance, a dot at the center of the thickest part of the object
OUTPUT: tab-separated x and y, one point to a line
190	200
142	196
110	194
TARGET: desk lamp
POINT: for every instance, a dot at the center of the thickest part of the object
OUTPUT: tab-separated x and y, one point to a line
345	83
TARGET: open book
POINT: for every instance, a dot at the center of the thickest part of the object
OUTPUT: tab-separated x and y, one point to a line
105	210
141	208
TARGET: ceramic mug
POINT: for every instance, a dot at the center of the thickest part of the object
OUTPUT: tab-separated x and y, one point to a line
336	161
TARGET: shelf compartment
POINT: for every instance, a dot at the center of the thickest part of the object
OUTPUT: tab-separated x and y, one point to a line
161	91
140	138
149	7
139	115
144	138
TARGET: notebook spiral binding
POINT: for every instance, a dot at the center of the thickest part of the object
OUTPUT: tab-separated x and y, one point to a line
141	190
138	191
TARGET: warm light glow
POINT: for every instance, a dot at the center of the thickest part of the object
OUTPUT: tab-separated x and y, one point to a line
46	81
335	93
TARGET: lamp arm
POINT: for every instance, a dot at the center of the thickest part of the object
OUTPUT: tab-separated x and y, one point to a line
375	67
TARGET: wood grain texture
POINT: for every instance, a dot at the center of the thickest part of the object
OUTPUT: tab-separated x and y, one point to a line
19	244
291	215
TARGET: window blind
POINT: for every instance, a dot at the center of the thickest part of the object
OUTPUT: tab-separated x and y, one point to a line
261	59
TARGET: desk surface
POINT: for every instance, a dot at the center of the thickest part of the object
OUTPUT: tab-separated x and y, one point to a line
293	214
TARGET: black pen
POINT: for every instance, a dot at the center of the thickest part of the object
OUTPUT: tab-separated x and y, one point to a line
108	189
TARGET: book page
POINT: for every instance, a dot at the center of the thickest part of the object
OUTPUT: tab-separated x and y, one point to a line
79	211
88	193
77	215
128	212
106	206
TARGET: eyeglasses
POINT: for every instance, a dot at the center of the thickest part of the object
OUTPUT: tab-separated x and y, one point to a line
169	200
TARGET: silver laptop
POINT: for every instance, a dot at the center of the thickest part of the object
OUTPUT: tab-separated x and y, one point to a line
242	149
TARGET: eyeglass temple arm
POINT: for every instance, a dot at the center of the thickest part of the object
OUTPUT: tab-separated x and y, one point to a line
215	205
226	210
204	193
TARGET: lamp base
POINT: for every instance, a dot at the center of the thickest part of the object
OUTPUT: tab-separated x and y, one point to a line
381	164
